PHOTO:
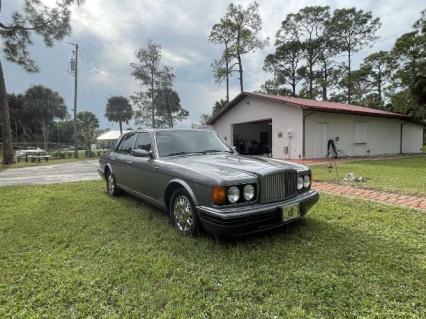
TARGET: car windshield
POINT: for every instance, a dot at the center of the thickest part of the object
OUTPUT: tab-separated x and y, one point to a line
172	143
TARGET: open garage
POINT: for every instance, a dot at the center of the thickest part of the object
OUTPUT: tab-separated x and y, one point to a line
253	138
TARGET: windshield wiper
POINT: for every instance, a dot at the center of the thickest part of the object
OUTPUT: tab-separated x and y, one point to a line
177	153
214	151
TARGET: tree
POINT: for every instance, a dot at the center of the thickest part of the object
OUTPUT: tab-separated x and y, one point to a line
243	24
152	75
307	28
218	105
352	30
147	70
169	110
377	72
409	69
52	24
204	118
87	125
46	105
222	69
285	65
62	131
119	110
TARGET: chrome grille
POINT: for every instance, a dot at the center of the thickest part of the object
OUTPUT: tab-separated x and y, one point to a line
279	186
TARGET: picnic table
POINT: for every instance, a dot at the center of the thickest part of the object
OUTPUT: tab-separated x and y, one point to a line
34	155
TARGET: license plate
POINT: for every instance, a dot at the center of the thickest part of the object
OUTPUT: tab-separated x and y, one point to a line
290	212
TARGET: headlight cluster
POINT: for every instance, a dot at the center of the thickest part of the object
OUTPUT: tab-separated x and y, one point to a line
303	181
233	194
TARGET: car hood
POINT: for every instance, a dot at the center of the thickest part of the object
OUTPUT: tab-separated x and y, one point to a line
230	167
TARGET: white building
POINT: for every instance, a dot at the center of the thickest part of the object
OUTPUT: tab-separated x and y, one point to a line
300	128
107	139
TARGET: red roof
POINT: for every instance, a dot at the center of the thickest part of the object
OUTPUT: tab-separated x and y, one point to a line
323	106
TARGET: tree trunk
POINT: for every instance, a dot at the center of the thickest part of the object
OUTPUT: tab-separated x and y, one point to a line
240	70
240	66
311	79
152	100
5	122
44	131
227	72
293	89
349	78
121	126
324	85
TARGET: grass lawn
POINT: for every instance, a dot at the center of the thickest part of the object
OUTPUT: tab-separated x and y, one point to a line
70	251
42	163
404	175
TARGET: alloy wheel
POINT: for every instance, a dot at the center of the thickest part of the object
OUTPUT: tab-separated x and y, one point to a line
182	213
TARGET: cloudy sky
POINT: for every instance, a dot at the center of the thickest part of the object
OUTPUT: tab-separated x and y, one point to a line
109	33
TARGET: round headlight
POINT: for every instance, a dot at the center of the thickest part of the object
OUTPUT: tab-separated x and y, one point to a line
248	192
306	181
233	194
299	182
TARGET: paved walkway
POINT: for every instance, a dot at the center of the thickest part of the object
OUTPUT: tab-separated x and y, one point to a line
49	174
416	202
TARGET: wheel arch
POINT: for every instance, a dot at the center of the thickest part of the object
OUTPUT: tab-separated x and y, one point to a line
107	168
175	184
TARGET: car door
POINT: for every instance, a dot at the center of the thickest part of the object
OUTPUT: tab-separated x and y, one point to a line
122	159
144	169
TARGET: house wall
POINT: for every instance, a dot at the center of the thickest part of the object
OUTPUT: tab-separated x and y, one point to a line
412	138
383	135
284	118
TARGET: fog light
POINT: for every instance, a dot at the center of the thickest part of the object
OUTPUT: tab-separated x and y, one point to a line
233	194
248	192
299	182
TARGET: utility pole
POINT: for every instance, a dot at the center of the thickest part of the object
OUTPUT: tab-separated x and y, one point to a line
74	68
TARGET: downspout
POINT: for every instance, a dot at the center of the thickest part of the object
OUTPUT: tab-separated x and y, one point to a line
400	139
303	133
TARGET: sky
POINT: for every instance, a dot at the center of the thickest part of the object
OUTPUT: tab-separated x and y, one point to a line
110	32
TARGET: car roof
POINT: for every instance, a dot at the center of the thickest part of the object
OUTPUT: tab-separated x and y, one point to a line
169	130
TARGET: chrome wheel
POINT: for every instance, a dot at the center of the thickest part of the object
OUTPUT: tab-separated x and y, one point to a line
182	213
111	184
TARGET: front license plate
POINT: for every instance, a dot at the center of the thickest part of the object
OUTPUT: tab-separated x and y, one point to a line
290	212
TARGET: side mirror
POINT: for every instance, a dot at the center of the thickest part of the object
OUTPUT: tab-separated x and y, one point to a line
142	153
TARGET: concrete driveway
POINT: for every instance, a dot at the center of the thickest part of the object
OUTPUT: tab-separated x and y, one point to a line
49	174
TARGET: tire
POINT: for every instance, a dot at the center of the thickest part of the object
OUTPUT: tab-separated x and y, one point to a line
112	189
183	214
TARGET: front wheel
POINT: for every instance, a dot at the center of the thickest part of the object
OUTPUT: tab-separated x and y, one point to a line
112	188
183	214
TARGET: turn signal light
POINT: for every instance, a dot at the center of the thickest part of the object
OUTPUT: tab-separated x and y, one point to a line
218	195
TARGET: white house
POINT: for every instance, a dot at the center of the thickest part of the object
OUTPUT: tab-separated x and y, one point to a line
300	128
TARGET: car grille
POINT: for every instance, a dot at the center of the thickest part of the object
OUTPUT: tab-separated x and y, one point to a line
278	186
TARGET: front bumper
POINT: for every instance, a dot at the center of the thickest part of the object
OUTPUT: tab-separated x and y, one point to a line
254	218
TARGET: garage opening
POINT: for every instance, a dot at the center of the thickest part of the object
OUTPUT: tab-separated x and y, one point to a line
253	138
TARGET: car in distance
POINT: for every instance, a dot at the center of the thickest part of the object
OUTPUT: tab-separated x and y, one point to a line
203	184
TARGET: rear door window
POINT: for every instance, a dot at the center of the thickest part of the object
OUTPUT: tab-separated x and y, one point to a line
126	144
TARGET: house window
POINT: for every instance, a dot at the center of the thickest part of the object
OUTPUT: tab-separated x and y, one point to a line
360	132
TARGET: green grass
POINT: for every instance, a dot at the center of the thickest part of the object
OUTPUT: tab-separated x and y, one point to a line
71	251
43	162
403	175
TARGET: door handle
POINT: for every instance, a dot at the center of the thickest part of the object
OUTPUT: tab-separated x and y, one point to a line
156	168
129	162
